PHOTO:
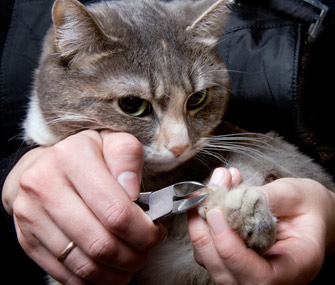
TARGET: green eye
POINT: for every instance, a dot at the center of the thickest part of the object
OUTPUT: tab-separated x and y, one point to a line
197	99
135	106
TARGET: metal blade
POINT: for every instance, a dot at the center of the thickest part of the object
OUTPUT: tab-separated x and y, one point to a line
182	206
161	203
186	188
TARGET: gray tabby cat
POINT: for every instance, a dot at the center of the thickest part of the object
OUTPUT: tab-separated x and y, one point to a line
150	68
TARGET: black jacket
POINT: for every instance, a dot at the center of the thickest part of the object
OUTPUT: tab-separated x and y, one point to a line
280	80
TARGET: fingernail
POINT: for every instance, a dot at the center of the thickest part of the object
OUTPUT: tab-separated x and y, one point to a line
232	171
130	182
216	177
216	221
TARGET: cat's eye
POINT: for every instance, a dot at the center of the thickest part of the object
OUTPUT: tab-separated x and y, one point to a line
135	106
197	99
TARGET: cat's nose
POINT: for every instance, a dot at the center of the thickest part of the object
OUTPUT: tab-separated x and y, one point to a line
179	150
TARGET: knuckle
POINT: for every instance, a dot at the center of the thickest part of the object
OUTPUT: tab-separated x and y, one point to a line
30	179
233	256
35	182
22	210
150	242
28	244
61	150
19	209
91	137
121	141
69	146
86	271
200	240
101	249
117	217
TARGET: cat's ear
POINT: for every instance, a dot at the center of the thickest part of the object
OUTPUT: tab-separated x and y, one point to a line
207	27
77	34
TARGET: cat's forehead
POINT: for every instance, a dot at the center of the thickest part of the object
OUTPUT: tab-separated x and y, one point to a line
159	90
137	19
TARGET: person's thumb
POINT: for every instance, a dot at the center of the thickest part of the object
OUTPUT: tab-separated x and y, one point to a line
285	196
239	259
124	157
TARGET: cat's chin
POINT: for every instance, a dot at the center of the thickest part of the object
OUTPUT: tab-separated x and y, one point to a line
157	162
166	164
157	167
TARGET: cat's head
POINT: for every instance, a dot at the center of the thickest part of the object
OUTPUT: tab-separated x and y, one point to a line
148	68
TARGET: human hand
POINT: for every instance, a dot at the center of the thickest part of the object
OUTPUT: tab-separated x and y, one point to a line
81	190
305	230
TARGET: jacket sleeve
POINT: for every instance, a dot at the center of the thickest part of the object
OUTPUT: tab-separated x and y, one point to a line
17	267
20	43
280	77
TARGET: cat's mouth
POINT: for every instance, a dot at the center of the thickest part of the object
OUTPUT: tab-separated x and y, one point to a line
164	161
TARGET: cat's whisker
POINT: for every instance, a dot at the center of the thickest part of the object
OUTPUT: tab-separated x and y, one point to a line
233	71
244	72
217	84
214	154
250	137
64	116
202	159
240	143
251	143
237	149
244	146
223	39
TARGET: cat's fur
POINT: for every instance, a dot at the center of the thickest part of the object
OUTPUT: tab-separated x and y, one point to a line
163	53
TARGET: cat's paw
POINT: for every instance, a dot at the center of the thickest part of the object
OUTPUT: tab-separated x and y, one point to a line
216	196
246	212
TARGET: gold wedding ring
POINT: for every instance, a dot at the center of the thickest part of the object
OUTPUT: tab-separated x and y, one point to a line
66	252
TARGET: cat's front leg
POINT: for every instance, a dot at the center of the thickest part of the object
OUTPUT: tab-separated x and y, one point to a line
246	211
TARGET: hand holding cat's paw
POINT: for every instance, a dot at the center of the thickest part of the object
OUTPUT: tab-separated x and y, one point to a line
246	212
244	208
305	211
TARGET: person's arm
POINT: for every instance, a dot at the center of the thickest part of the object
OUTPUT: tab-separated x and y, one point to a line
79	191
305	231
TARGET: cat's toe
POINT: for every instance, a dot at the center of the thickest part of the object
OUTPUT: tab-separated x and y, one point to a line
215	199
246	212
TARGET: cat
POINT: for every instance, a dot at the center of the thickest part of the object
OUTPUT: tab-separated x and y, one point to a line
150	68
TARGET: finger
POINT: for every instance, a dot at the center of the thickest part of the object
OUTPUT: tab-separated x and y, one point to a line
284	196
116	211
236	176
43	257
46	260
83	261
77	265
198	257
90	236
124	157
221	177
102	192
240	260
205	251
